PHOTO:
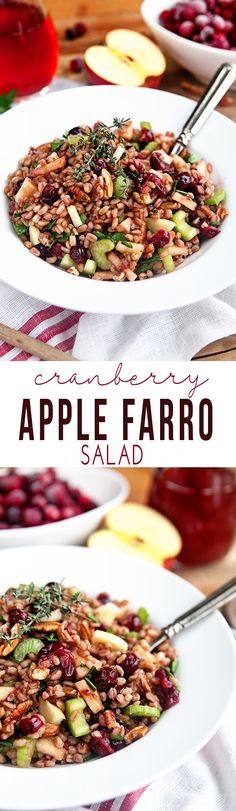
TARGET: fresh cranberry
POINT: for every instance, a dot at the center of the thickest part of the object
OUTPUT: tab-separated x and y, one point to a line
157	162
16	498
133	622
13	481
186	28
3	525
51	513
2	511
77	64
69	511
64	655
130	664
145	136
50	194
35	486
13	515
32	516
101	745
44	250
38	501
55	493
76	31
103	597
209	231
16	615
166	691
106	678
160	239
78	253
220	41
30	724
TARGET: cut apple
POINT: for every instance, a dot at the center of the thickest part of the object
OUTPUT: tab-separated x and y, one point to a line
147	527
115	542
127	58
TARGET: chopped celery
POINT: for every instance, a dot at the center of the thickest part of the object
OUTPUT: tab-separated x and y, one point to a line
99	249
121	186
174	665
136	145
73	140
143	615
168	263
83	218
218	197
66	261
100	235
193	158
24	754
30	645
90	267
76	720
145	125
143	710
187	232
151	146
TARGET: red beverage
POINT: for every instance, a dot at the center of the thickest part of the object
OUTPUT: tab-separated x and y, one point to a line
201	502
28	48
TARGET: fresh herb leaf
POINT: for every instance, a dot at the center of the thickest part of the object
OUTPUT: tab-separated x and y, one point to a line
6	744
92	617
131	635
6	100
83	218
174	665
19	228
90	683
145	264
50	225
60	237
55	145
92	672
101	235
119	236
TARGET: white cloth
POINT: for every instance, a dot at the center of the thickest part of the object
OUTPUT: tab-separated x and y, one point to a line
169	335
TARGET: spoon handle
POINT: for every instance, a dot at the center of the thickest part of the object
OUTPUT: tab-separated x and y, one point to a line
198	612
215	90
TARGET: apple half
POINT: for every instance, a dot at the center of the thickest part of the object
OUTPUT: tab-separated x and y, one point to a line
135	529
127	58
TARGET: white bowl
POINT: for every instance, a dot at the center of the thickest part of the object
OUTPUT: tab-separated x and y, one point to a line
207	673
39	120
201	60
106	487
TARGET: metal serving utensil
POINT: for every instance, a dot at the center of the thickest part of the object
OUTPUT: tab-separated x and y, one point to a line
198	612
215	90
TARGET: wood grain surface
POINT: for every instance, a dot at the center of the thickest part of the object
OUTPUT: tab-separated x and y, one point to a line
100	16
206	578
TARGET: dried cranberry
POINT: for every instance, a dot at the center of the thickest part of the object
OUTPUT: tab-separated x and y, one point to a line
17	186
103	597
209	231
44	250
32	516
57	249
77	131
106	678
185	182
145	136
117	745
64	655
30	724
50	194
78	253
77	64
157	162
101	745
167	693
149	177
16	615
76	31
100	164
133	622
160	239
130	664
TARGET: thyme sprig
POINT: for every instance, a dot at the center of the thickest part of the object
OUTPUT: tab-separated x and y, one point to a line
42	601
101	144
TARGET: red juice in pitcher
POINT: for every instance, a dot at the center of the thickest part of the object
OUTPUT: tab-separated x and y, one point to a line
201	502
28	47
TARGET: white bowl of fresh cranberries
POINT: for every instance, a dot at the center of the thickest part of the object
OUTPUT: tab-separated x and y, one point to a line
56	506
198	34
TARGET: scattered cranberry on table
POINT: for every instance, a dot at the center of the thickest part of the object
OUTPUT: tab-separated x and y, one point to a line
76	31
39	498
209	22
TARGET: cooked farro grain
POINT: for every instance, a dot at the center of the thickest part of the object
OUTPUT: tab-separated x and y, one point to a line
76	681
111	203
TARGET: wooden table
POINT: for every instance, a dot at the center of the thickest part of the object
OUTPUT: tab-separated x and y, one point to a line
207	578
100	16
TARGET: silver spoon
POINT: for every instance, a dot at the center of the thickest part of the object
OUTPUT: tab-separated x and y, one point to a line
215	90
198	612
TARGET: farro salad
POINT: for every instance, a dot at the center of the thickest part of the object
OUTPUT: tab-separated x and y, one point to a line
77	679
110	202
